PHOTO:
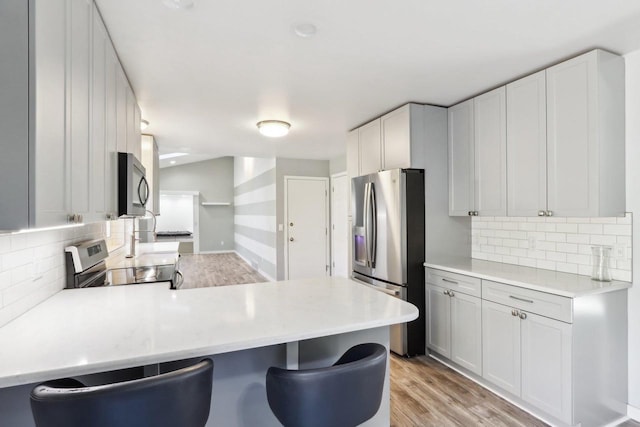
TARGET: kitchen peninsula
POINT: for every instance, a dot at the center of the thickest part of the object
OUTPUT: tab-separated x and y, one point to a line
245	328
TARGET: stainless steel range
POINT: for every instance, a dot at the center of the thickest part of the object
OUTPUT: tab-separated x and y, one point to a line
86	267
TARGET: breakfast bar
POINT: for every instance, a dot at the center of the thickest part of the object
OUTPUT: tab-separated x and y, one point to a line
244	328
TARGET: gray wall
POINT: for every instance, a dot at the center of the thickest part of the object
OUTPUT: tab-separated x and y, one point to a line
338	164
293	167
214	180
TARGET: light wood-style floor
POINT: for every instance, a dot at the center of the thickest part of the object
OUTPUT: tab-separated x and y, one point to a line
426	393
206	270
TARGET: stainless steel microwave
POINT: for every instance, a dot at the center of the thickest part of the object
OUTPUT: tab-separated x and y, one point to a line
133	188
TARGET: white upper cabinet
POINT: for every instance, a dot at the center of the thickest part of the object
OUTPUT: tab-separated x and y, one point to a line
527	146
396	138
51	205
461	159
555	143
71	126
99	166
370	148
585	136
477	156
490	152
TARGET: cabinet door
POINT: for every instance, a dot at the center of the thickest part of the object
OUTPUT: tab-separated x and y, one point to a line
501	346
527	145
137	133
353	161
14	114
490	149
131	131
98	120
396	138
438	321
121	110
466	332
111	118
546	365
370	151
461	159
79	104
52	166
572	137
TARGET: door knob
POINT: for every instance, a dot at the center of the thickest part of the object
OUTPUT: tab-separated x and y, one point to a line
291	239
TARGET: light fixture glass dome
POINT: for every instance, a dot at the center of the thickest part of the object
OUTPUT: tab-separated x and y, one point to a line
273	128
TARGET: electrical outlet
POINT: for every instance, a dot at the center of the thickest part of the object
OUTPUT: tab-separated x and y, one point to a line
619	251
533	242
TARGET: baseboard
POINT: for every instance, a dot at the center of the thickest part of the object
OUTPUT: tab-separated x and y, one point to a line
265	275
216	252
633	412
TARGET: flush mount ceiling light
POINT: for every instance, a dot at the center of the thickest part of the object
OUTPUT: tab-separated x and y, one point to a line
144	124
305	30
273	128
178	4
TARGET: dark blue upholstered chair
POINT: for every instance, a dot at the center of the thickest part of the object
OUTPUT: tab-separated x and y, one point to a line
343	395
177	398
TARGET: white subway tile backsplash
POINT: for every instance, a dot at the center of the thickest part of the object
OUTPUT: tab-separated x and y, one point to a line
32	265
555	243
590	228
617	230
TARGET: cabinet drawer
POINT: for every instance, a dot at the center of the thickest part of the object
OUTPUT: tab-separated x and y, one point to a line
542	303
455	282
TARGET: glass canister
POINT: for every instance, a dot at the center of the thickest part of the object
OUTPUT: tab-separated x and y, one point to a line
601	259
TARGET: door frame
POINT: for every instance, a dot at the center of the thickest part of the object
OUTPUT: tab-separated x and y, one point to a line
327	214
346	219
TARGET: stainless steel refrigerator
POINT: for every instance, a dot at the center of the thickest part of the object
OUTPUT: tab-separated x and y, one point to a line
388	238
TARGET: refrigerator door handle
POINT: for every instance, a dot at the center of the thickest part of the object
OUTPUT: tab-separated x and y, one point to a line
366	223
374	228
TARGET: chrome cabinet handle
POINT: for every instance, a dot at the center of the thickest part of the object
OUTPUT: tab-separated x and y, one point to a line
541	213
452	294
523	316
515	313
469	213
521	299
476	213
549	213
446	292
291	239
444	279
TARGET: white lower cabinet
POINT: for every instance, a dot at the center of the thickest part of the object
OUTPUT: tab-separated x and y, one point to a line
454	327
562	358
529	356
546	365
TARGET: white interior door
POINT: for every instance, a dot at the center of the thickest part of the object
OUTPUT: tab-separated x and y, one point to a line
306	213
339	228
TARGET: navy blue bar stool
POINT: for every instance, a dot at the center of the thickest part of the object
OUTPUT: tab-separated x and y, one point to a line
343	395
177	398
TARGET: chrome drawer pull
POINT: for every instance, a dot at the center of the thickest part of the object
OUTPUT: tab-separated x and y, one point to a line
521	299
449	281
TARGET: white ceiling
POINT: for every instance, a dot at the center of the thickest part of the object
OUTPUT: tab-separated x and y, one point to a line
204	76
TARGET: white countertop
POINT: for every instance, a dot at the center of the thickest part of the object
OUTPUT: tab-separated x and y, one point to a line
149	254
81	331
553	282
